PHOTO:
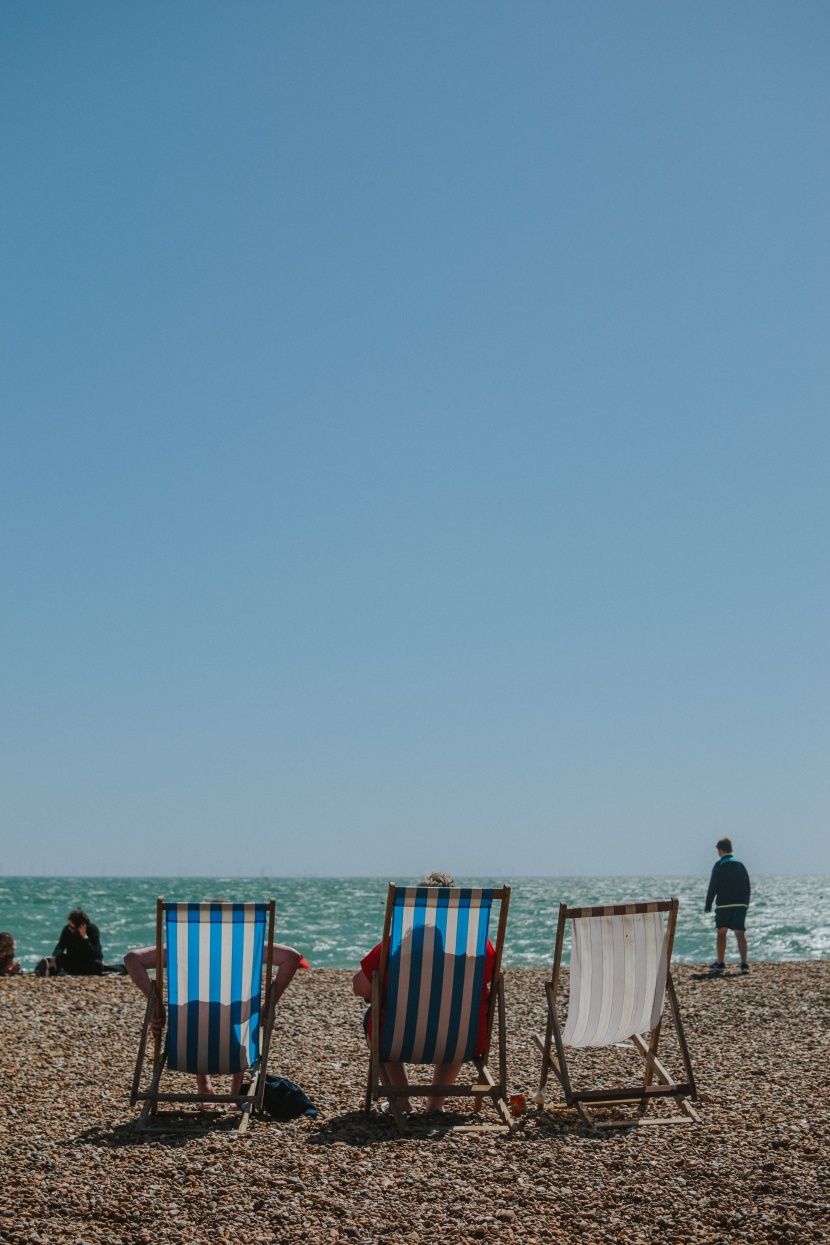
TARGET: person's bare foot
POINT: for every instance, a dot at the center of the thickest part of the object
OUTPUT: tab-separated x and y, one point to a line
237	1082
404	1104
204	1085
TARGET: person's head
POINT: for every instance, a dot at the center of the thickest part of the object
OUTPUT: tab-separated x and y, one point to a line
6	950
724	847
77	917
437	879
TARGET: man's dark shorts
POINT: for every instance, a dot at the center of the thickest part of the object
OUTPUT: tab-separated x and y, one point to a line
731	918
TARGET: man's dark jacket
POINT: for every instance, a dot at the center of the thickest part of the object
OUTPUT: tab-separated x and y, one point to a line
729	884
77	956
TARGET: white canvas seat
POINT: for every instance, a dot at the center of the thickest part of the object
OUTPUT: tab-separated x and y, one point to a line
619	977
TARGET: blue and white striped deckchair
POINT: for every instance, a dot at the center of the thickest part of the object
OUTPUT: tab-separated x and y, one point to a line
427	993
214	954
214	981
620	970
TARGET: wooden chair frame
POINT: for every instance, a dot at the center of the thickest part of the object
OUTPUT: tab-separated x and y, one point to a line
587	1100
151	1097
486	1084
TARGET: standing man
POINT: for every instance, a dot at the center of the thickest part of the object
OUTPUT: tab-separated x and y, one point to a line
729	891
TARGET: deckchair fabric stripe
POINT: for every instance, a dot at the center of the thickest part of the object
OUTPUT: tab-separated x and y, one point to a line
459	977
214	975
172	976
620	909
191	968
437	946
618	974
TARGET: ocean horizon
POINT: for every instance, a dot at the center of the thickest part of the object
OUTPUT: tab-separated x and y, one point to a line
334	921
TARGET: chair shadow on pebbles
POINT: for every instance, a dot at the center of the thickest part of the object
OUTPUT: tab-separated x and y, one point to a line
353	1128
117	1136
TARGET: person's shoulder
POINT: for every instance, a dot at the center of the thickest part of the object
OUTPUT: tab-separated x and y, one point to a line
371	960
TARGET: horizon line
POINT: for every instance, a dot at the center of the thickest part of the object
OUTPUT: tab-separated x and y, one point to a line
357	877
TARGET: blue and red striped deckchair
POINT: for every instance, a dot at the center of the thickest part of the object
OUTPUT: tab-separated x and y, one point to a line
620	972
426	993
215	954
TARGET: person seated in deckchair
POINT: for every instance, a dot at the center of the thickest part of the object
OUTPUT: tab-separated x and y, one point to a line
285	959
443	1073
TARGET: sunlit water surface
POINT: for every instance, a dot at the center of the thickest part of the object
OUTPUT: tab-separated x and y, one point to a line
334	921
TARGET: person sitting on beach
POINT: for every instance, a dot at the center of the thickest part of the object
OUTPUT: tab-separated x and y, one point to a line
78	952
285	959
729	890
443	1073
8	965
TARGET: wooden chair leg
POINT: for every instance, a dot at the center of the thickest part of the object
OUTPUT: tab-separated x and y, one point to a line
485	1077
142	1046
585	1115
478	1099
247	1106
151	1101
270	1017
394	1105
367	1106
681	1035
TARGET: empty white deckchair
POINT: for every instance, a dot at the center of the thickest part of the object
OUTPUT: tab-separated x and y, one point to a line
620	971
214	956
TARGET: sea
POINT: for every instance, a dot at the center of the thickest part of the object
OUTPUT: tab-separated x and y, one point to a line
335	921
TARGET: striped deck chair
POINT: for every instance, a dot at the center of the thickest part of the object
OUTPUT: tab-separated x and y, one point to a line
426	993
214	1000
619	974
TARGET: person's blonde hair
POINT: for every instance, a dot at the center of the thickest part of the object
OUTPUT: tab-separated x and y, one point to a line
437	879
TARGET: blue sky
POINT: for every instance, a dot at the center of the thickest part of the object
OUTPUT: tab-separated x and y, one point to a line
415	437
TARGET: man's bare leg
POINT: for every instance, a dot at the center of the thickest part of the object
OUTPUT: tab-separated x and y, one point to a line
443	1074
740	934
397	1075
204	1085
721	945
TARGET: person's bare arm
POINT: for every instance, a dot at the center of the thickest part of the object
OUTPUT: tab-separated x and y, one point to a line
362	986
286	961
136	964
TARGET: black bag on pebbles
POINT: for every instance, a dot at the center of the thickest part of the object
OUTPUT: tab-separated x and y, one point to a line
286	1101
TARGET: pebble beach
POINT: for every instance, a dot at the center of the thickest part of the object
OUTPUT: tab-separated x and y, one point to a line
756	1169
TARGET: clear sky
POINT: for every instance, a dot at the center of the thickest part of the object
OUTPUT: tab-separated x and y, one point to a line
415	446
